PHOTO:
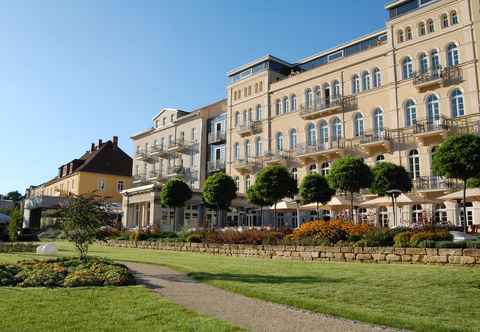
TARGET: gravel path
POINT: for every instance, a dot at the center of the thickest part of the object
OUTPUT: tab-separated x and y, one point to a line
242	311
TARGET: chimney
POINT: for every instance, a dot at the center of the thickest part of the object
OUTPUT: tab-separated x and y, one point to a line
115	141
99	143
92	147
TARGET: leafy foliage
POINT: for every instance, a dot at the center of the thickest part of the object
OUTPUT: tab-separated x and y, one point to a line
473	183
350	174
388	176
254	197
274	183
331	231
15	224
315	188
14	196
219	190
175	193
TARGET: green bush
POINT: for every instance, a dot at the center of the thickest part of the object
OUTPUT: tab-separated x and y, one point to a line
402	239
426	244
433	235
376	237
450	244
196	237
81	278
7	275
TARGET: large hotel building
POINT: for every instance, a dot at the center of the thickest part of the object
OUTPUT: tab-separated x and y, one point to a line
391	95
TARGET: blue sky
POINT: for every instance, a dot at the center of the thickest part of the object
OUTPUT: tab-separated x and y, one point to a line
76	71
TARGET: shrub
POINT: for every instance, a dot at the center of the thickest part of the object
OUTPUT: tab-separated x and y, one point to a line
252	236
402	239
433	235
376	237
426	244
7	275
333	231
195	237
81	278
450	244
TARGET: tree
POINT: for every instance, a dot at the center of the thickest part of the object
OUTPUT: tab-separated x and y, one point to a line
255	198
82	217
218	191
314	189
174	194
388	176
458	157
473	182
15	224
274	183
14	196
350	174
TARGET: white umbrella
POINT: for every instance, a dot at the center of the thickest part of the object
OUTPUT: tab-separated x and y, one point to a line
472	194
4	219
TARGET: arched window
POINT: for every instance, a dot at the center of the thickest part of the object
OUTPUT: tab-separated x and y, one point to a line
293	103
456	103
423	63
441	213
317	95
430	26
452	55
237	183
355	84
326	94
308	98
378	122
366	80
237	119
258	147
410	113
278	107
236	151
323	132
453	17
312	168
377	78
362	215
407	68
294	173
417	213
336	89
248	149
435	59
247	182
325	168
311	134
421	29
414	164
258	112
433	109
380	158
408	33
444	20
383	216
293	139
279	142
400	36
336	129
359	128
286	105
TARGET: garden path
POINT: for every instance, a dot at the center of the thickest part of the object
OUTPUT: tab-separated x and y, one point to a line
242	311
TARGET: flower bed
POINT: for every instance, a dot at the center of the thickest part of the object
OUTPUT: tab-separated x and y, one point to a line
65	272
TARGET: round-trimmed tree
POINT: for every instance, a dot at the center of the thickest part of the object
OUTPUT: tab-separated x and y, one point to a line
350	174
174	194
218	191
388	176
274	183
458	157
255	198
314	189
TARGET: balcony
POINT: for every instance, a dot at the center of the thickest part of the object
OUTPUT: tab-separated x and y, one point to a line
330	150
139	178
309	112
246	166
435	183
278	158
158	150
216	137
376	142
156	176
437	77
249	128
179	146
431	131
144	155
216	166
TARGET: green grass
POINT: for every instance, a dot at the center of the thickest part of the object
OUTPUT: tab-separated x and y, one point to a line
133	308
416	297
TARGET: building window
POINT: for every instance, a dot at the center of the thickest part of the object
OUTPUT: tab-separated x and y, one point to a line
308	98
378	122
383	216
355	84
336	129
453	18
366	80
452	55
237	183
435	60
400	36
293	101
278	107
248	149
258	112
444	20
359	131
456	103
423	63
312	168
325	168
294	173
247	182
258	147
293	139
172	117
408	33
194	134
323	132
430	26
377	78
407	68
316	96
380	158
336	89
120	186
421	29
286	105
237	119
236	151
311	134
410	113
433	109
279	142
417	213
260	86
414	164
101	185
441	213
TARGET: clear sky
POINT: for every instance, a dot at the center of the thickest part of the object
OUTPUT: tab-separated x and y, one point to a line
72	72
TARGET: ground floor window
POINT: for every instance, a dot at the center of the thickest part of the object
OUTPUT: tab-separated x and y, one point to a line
383	216
469	207
441	213
417	213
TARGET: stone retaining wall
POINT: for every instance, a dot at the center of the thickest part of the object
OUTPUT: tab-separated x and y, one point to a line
317	253
17	247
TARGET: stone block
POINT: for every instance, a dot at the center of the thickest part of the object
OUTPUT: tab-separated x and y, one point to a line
467	260
450	252
406	258
393	258
471	252
431	251
346	249
379	257
455	259
364	257
415	251
399	251
349	256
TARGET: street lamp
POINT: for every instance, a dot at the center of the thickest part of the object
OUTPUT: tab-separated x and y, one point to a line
297	200
394	193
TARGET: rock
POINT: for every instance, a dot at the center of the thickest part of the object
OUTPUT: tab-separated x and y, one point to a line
47	249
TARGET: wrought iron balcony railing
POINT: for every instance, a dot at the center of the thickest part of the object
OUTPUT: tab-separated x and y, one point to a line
216	165
216	137
424	183
430	125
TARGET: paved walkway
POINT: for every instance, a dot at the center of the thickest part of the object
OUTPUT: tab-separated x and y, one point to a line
242	311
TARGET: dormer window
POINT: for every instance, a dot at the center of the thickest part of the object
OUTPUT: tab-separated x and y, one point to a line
164	121
172	117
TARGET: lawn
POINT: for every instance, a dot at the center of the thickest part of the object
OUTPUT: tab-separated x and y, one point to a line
416	297
133	308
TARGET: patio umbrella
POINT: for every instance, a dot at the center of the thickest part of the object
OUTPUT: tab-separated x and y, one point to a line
473	194
402	199
4	219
